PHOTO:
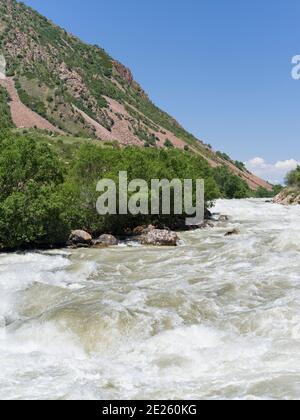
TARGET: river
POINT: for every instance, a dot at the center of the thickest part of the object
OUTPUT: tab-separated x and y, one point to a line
215	318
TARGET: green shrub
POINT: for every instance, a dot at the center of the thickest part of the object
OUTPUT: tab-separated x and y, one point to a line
46	190
223	156
29	210
264	193
293	178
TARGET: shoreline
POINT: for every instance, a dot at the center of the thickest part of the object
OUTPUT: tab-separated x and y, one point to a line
130	235
122	238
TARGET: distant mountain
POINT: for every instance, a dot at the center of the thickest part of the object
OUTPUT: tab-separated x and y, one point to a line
56	82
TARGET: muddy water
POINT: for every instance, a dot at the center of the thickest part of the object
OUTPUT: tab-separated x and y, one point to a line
214	318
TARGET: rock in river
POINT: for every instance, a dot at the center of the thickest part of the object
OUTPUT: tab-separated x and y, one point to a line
159	237
106	240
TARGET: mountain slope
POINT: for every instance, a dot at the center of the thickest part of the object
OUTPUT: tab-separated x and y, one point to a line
59	83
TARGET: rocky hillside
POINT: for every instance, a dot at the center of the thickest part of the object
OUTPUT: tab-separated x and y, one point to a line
58	83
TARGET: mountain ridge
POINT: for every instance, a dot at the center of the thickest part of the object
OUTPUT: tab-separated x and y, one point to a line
79	90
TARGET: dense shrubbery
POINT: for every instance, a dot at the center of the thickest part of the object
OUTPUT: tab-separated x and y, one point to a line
29	210
223	156
45	194
240	165
32	103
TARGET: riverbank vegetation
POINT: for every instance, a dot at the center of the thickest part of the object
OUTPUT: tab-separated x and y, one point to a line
48	185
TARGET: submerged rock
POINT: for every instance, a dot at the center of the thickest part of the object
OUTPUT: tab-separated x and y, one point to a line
80	238
207	224
105	240
287	197
157	237
217	217
233	232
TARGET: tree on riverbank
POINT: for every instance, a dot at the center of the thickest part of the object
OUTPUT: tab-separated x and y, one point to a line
293	178
48	186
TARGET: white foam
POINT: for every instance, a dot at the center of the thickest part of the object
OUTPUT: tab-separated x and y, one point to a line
217	317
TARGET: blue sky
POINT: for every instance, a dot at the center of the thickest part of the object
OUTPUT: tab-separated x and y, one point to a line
222	68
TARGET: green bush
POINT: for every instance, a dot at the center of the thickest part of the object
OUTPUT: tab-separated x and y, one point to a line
264	193
32	217
277	189
32	103
230	185
240	165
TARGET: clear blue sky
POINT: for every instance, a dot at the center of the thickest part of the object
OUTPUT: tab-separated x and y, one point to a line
221	67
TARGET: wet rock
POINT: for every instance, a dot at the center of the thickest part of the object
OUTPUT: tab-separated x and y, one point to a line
233	232
157	237
80	238
207	224
105	240
143	230
207	214
288	197
217	217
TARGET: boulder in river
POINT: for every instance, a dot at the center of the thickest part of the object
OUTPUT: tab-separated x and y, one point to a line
80	238
158	237
106	240
233	232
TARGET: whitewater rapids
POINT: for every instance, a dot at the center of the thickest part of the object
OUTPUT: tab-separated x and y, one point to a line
215	318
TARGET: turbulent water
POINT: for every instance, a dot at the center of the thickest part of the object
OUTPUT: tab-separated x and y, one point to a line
216	318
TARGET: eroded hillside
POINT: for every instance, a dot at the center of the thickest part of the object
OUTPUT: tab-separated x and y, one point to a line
61	84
